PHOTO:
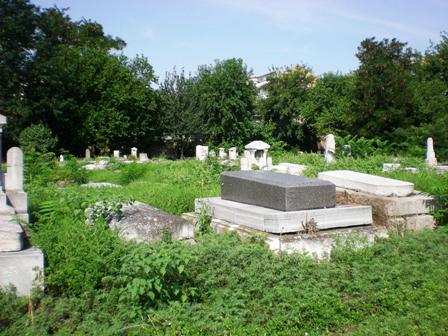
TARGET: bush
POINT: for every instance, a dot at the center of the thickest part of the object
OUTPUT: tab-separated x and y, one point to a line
131	172
37	138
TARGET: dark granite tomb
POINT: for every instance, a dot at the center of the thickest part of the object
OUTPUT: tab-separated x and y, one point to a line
283	192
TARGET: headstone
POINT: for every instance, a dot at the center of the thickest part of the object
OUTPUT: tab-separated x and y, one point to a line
87	154
258	153
134	151
330	148
245	164
116	154
290	168
233	154
14	176
373	184
61	158
277	191
222	153
387	167
201	152
143	157
411	170
431	160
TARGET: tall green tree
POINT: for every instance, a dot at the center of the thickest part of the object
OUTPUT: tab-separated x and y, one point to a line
180	122
225	101
288	91
382	89
328	105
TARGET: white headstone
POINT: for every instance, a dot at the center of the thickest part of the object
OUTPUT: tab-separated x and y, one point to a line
116	154
330	148
222	153
201	152
87	154
61	158
134	151
431	159
233	154
143	157
245	164
14	176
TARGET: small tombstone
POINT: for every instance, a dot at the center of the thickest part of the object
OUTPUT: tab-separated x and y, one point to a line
222	153
116	154
87	154
14	176
125	157
330	148
61	158
258	153
233	154
201	152
245	164
143	157
431	160
134	151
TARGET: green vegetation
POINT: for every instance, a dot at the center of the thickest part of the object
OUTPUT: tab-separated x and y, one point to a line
67	77
97	284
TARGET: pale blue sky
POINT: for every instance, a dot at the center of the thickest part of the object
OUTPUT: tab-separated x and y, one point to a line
264	33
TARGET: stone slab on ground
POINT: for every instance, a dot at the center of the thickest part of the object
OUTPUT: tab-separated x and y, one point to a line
141	222
12	236
372	184
277	221
318	244
278	191
384	207
100	185
21	269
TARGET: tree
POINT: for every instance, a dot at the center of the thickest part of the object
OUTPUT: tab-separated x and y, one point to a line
225	101
328	105
288	91
180	121
382	89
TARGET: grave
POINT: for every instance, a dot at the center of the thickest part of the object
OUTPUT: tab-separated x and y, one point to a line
289	168
201	152
257	153
387	167
222	153
134	152
87	156
277	191
294	213
19	263
431	160
330	148
116	154
372	184
233	154
143	157
395	204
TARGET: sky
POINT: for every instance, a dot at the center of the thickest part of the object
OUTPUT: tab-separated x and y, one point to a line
324	35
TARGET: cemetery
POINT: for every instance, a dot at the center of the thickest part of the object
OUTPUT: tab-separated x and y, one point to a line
218	202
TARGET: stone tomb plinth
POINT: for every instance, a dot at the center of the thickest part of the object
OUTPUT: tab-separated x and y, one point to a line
394	203
278	191
277	221
316	244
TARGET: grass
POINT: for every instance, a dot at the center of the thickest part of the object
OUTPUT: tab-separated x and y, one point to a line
398	286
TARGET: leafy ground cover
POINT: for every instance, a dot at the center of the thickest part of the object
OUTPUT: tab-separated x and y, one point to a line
97	284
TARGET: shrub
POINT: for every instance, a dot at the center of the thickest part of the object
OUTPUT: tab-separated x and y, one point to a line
37	138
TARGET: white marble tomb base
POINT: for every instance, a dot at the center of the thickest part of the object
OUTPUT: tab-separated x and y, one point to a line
276	221
21	269
373	184
318	244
